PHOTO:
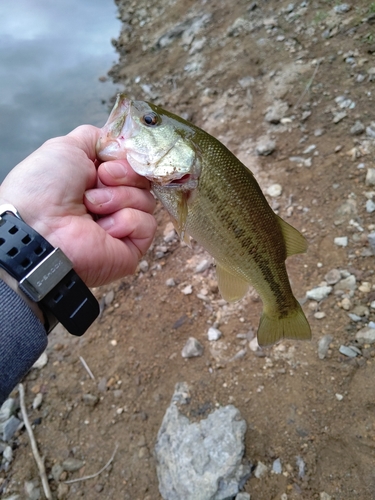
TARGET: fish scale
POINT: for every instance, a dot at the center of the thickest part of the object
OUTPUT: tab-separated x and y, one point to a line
216	200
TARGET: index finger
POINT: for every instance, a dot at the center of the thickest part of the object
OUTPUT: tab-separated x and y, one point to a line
120	173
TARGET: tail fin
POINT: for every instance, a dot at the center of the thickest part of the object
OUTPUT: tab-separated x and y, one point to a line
294	326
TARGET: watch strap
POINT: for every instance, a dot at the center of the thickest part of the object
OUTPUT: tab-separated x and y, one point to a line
45	274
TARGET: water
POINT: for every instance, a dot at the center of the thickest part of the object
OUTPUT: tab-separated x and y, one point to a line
52	54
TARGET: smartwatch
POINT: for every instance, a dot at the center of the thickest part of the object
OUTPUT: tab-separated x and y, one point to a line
45	275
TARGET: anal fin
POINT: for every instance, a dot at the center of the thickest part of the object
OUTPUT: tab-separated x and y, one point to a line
231	286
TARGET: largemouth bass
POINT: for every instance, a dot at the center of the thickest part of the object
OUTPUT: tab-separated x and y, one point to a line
216	200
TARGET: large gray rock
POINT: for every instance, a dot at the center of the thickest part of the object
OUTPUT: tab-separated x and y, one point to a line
200	461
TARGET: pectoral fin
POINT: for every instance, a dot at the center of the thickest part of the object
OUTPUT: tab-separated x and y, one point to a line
181	233
231	286
294	241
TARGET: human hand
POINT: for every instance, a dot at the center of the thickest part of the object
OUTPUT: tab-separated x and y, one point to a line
59	191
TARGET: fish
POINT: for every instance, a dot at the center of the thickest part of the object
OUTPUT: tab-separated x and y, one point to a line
215	199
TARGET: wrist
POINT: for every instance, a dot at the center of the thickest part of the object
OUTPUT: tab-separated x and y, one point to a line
13	284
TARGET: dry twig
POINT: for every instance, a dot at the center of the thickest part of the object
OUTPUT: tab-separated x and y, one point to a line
91	476
307	86
39	461
86	366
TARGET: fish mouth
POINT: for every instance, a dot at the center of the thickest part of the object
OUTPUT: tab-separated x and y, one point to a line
116	128
188	182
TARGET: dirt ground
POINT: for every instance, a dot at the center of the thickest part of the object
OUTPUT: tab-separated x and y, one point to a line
222	65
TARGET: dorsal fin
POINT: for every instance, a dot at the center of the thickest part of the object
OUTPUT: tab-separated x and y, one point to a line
294	241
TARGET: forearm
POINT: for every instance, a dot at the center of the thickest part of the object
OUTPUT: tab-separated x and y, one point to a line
22	339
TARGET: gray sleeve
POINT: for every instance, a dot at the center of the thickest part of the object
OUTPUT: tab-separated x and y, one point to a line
22	339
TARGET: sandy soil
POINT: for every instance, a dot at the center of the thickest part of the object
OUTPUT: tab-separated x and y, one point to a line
222	65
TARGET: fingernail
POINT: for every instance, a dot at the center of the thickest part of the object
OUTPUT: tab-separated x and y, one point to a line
99	196
106	223
117	170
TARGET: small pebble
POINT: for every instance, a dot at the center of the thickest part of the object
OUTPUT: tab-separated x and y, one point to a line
341	241
319	293
72	464
370	177
41	361
366	335
274	190
37	401
332	277
213	334
170	282
370	206
202	266
187	290
319	315
339	397
347	351
323	346
276	466
325	496
192	348
260	470
342	8
108	299
143	266
345	304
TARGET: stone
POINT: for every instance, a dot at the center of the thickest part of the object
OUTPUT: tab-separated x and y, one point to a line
358	128
276	466
192	348
347	351
332	277
260	470
371	240
56	471
265	146
202	266
323	346
274	190
201	460
213	334
341	9
8	454
370	131
319	315
276	112
72	464
370	177
32	491
341	241
370	206
37	401
338	117
62	491
170	282
187	290
41	361
366	336
319	293
9	427
7	409
346	284
109	297
243	496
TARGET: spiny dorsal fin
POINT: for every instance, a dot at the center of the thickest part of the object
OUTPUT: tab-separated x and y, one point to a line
231	287
294	241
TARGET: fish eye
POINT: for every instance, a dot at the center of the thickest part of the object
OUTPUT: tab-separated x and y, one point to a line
151	119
